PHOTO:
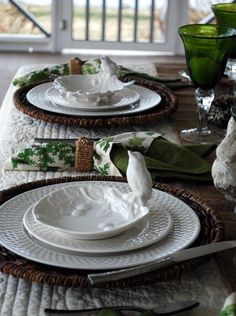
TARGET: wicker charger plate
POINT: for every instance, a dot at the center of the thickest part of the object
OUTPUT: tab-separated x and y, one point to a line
168	105
212	230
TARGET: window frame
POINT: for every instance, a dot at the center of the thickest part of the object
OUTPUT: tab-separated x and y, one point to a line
32	43
171	44
61	35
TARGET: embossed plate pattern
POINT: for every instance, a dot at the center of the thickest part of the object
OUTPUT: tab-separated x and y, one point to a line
13	237
156	227
119	100
148	100
88	211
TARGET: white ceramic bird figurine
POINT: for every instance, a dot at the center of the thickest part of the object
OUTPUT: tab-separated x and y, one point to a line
139	178
107	80
108	66
224	166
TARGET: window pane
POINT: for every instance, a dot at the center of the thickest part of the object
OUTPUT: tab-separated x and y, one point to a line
79	19
95	16
152	20
128	21
83	28
119	20
144	15
111	26
14	20
200	9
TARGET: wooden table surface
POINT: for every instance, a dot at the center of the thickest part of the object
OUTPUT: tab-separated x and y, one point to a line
186	117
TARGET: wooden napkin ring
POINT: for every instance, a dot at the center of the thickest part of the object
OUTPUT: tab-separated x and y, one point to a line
75	66
84	155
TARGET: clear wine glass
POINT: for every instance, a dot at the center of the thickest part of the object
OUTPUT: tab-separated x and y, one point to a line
206	50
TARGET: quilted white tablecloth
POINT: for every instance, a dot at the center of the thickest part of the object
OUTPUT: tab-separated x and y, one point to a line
21	298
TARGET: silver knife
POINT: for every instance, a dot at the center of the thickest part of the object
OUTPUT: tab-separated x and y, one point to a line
176	257
61	140
53	140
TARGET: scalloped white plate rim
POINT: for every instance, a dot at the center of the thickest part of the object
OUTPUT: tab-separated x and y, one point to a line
80	245
12	212
145	103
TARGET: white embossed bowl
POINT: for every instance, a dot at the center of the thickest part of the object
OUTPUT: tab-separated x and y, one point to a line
88	211
89	88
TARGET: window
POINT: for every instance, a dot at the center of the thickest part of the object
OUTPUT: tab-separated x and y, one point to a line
53	25
25	17
25	24
199	11
120	24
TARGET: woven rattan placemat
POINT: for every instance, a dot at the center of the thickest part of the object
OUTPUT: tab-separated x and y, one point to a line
212	230
168	105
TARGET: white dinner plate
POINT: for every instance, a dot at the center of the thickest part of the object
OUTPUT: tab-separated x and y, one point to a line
185	229
148	100
88	211
154	228
124	98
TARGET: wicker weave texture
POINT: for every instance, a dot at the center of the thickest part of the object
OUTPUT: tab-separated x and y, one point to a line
168	105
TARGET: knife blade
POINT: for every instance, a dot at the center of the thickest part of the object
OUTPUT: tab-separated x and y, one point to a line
61	140
179	256
53	140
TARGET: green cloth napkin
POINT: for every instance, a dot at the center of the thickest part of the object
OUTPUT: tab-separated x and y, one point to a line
163	158
91	66
168	160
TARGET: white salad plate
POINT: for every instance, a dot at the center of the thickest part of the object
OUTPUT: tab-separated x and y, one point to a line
14	237
148	100
124	98
88	211
155	227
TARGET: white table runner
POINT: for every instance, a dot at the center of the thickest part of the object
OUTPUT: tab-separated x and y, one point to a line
20	298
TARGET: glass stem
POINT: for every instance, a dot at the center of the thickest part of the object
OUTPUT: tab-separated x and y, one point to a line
231	72
231	69
204	100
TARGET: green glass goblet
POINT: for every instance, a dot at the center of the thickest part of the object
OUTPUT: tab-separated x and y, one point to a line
225	14
206	50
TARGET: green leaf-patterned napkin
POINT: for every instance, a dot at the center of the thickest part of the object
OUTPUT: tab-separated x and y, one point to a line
91	66
47	73
229	308
164	159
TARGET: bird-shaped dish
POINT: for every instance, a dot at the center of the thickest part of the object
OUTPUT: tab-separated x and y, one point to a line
93	88
88	211
96	212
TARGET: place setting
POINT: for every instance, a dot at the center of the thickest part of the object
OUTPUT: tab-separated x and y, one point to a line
100	224
95	94
96	212
104	97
